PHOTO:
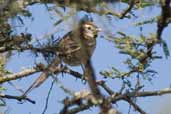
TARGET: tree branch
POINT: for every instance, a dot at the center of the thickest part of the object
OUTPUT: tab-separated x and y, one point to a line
136	107
117	97
131	5
163	20
19	98
18	75
113	98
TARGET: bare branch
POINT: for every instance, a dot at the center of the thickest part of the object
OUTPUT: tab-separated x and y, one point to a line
115	98
73	73
136	107
47	99
90	75
123	14
105	87
164	19
77	109
24	73
19	98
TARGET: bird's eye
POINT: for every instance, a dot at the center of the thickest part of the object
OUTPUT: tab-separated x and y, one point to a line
89	28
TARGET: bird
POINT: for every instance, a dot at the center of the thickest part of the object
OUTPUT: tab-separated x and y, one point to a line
70	49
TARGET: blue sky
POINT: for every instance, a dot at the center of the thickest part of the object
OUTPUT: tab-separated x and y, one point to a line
105	56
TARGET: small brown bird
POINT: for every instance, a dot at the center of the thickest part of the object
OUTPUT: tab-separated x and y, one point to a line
70	46
70	49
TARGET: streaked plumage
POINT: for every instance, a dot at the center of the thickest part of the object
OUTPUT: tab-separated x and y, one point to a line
70	46
70	50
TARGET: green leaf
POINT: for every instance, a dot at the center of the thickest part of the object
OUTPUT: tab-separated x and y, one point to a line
149	21
146	4
126	1
2	89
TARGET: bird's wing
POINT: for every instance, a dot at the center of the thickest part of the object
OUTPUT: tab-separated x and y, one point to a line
67	45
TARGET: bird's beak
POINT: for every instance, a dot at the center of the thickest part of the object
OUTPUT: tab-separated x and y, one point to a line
98	29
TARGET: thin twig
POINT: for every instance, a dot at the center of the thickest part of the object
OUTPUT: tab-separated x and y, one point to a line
113	98
16	87
60	84
136	107
47	98
123	14
19	98
105	87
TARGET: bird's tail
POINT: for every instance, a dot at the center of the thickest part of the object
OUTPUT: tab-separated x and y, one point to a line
45	74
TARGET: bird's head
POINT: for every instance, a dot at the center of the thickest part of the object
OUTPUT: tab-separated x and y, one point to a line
90	30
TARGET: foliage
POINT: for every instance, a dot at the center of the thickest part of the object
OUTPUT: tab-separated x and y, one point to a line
139	51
